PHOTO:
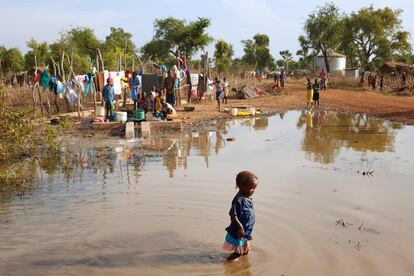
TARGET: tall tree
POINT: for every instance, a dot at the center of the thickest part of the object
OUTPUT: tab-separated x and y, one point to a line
40	50
257	53
84	41
178	37
375	35
222	56
305	60
11	60
323	31
287	58
118	42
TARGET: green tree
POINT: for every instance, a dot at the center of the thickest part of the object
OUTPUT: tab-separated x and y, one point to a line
287	58
375	35
257	53
83	41
118	42
40	50
222	56
323	31
305	60
178	37
11	60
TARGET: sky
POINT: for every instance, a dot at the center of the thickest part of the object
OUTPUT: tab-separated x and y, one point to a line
231	20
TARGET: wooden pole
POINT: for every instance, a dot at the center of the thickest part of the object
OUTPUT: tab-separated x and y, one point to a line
62	68
125	49
119	62
54	66
97	62
100	57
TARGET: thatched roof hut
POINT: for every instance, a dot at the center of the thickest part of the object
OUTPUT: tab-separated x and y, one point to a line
396	67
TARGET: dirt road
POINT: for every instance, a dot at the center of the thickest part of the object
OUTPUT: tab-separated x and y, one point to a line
294	97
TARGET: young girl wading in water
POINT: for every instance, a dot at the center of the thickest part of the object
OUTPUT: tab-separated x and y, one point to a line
242	216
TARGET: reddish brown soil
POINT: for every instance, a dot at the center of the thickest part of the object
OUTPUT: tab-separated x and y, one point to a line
294	97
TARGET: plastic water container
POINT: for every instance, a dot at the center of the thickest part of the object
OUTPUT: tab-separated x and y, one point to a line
121	117
252	110
124	117
100	111
139	115
234	111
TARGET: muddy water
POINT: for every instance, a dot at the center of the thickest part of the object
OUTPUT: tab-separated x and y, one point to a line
159	207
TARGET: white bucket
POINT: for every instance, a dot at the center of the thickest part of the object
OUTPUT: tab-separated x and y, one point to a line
234	111
100	111
121	117
252	110
124	117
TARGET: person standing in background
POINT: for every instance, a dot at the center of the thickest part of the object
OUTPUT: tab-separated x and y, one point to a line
109	95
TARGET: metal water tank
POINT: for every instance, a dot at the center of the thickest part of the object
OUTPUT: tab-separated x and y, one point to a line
337	63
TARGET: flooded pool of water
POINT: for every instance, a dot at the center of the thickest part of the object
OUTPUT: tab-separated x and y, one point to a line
335	197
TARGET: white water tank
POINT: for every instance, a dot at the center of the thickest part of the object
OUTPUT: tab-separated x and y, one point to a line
337	63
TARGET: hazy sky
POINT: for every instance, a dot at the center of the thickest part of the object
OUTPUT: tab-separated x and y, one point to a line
232	20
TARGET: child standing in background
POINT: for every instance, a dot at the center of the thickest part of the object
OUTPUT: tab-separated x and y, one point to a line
219	91
316	89
226	90
309	94
242	216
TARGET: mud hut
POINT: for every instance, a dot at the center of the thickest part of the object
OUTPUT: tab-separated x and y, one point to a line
396	67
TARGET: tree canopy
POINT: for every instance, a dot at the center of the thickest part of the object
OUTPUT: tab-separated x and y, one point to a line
223	56
118	43
176	36
11	60
323	31
257	52
375	35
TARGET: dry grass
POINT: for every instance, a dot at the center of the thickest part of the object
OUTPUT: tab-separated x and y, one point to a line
392	86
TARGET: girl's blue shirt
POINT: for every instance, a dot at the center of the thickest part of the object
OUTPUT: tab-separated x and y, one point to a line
242	207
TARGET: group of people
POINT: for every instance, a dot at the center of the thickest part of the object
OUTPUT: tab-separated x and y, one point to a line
152	101
372	80
222	91
312	95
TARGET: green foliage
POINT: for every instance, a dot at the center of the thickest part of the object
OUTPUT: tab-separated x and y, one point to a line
257	53
323	31
305	60
407	58
287	58
157	50
82	41
66	122
11	60
222	56
116	44
177	36
42	52
375	35
51	134
15	132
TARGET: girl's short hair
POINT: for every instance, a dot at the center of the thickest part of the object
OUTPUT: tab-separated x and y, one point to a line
244	178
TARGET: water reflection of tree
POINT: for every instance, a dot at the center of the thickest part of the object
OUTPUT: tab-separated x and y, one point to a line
327	132
70	163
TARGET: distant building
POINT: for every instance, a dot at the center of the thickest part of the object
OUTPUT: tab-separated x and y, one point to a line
395	67
337	63
352	72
